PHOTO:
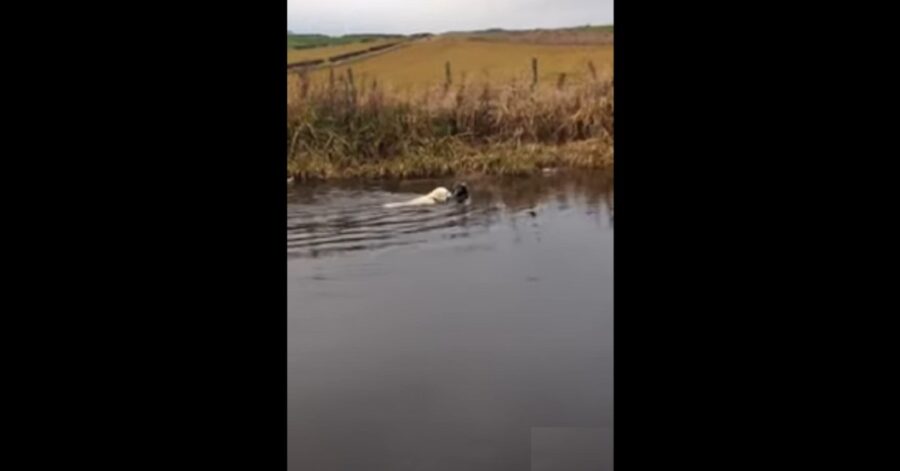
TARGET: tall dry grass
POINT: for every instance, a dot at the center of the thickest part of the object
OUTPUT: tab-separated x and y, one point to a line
345	127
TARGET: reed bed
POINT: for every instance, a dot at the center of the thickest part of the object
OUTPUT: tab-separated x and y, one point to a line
346	128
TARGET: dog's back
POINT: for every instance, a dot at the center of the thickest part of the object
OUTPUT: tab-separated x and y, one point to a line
438	195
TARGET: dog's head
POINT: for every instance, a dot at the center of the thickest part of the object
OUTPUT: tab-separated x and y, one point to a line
460	192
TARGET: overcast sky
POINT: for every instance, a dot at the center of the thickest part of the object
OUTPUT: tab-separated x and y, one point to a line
436	16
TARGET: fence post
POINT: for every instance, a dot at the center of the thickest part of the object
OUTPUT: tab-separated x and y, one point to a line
534	72
351	86
304	83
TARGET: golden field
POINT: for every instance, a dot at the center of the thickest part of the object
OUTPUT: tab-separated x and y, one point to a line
422	63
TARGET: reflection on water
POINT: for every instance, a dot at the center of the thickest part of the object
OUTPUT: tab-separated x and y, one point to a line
449	337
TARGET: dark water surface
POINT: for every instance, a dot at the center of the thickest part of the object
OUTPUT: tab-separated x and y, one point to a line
452	337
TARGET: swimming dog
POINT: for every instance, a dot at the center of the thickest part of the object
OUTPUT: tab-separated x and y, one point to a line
440	194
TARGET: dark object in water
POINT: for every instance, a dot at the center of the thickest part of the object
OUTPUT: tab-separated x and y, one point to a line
460	192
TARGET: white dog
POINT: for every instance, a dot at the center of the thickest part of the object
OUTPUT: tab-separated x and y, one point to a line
438	195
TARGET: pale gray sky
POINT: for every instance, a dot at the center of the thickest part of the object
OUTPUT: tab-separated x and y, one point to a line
436	16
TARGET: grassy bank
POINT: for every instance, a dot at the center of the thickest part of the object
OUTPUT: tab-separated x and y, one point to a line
325	52
346	127
308	41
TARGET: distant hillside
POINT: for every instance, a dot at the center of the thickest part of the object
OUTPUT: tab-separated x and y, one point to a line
572	36
602	28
